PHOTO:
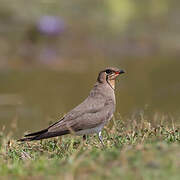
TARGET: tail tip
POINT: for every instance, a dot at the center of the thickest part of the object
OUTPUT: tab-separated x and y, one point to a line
24	139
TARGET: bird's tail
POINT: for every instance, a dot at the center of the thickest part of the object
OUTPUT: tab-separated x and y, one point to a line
43	134
26	139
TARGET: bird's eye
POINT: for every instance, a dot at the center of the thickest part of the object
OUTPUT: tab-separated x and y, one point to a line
108	71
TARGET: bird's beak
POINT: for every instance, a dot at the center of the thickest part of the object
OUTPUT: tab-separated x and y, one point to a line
120	72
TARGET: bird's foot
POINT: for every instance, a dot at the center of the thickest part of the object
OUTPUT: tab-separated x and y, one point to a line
100	138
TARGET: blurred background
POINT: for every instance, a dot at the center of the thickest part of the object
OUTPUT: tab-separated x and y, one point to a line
51	52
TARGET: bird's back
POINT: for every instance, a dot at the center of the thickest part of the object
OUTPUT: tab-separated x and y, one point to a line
97	108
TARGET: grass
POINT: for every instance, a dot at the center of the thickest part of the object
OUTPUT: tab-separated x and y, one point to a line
134	149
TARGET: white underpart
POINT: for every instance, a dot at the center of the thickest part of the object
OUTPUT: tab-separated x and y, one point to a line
96	129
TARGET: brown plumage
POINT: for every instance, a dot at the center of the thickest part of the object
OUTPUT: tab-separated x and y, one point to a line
91	115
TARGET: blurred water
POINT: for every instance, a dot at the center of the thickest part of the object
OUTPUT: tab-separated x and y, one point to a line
51	53
30	100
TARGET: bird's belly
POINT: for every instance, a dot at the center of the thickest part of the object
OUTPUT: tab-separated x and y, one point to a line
91	130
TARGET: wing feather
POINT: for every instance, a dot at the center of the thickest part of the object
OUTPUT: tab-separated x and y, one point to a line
88	118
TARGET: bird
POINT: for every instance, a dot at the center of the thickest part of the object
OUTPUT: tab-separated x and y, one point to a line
90	116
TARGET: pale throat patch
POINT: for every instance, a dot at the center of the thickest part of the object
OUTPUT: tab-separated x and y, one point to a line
112	83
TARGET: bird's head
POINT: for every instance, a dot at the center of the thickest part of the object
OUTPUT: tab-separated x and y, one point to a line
109	76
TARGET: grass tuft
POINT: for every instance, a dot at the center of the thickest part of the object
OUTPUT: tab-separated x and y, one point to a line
134	149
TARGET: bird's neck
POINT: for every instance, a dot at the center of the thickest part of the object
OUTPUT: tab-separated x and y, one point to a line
112	83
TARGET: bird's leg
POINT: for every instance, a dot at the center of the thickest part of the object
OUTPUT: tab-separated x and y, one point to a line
84	137
100	138
85	140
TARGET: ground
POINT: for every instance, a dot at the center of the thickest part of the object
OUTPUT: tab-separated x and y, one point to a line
137	149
